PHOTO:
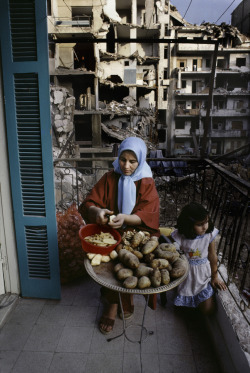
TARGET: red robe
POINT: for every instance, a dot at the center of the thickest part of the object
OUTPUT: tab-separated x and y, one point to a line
105	195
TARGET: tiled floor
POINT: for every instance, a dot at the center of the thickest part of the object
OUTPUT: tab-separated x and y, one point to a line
63	337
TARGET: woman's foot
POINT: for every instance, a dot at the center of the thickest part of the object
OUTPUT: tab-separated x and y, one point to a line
127	305
107	320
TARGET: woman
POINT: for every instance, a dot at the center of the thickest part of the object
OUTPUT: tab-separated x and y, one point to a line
128	192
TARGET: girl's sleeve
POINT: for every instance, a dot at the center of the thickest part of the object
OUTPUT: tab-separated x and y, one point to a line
214	234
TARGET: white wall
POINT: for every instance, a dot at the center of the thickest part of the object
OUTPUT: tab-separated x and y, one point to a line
7	232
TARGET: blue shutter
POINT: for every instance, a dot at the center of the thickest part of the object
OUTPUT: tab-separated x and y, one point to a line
24	49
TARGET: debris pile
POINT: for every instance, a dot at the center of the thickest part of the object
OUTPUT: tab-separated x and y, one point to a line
62	117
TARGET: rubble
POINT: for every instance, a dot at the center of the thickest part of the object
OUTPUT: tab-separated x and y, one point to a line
62	118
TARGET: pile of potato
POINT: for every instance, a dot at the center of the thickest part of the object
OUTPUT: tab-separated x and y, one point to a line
142	262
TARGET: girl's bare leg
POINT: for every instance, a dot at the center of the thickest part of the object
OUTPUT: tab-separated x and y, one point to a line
208	306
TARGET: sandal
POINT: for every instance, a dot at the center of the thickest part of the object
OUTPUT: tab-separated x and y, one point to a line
107	322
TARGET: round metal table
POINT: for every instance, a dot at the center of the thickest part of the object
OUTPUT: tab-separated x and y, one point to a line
104	276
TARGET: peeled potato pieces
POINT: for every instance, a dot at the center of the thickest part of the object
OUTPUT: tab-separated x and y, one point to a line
101	239
96	261
179	268
128	259
130	282
150	246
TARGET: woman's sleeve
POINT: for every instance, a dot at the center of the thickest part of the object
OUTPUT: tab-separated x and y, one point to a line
96	197
147	205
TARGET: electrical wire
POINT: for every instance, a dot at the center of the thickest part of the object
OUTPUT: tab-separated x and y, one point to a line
225	11
187	9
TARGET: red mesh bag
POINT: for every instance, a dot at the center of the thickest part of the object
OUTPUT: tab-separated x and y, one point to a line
71	255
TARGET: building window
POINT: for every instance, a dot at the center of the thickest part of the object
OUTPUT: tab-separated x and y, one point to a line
167	31
81	16
183	84
195	62
165	53
179	124
165	94
240	62
181	64
219	104
165	74
237	125
208	62
238	104
221	63
194	86
126	63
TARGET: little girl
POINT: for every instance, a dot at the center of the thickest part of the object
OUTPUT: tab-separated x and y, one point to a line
195	234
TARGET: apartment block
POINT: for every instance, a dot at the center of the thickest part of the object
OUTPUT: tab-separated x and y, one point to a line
138	68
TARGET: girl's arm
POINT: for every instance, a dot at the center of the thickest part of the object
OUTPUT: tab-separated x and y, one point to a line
212	257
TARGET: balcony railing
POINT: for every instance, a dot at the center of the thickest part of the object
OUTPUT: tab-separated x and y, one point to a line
178	182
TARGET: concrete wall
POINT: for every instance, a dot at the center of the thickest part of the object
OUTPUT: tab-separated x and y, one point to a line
7	231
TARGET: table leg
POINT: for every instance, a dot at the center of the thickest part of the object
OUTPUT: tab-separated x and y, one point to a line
142	327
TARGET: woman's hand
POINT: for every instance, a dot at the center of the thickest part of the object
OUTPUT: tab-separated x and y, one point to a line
98	215
217	283
118	221
122	219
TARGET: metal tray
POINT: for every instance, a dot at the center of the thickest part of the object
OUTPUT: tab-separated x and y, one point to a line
104	275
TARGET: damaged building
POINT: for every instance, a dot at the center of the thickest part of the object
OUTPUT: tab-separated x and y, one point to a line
155	87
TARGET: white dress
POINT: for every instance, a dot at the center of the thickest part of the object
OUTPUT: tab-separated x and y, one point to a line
196	288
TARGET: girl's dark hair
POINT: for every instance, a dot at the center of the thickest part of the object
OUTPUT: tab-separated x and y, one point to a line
190	214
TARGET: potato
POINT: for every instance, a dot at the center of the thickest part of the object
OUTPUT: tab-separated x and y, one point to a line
123	273
167	247
128	259
91	255
165	277
143	270
96	261
119	247
179	268
130	282
118	266
155	278
144	282
105	259
113	255
149	257
135	252
111	218
164	254
159	263
149	246
137	239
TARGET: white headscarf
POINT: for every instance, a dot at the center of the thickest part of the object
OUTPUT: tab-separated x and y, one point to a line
126	185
